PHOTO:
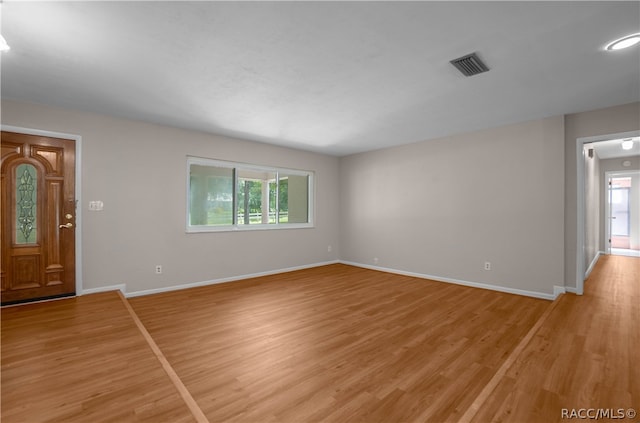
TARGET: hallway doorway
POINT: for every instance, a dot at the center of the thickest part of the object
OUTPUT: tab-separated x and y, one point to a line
622	213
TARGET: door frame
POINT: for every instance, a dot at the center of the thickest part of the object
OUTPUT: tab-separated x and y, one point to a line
581	268
608	175
78	182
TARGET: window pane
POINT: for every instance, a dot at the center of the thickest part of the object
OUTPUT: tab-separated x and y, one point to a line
26	204
256	197
211	195
226	196
293	198
620	224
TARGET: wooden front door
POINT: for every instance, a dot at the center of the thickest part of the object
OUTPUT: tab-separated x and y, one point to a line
38	217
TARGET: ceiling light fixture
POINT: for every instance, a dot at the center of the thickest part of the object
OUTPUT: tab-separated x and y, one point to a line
627	144
3	44
624	42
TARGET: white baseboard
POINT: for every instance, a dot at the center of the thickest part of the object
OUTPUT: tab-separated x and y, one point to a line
571	289
558	290
225	280
120	287
593	264
498	288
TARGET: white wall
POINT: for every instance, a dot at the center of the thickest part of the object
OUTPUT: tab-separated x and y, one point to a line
444	207
592	183
139	171
440	207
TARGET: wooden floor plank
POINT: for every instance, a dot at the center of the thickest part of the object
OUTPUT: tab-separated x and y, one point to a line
585	355
333	344
177	382
336	343
82	360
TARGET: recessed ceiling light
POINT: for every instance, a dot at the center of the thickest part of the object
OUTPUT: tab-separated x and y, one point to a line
624	42
627	144
3	44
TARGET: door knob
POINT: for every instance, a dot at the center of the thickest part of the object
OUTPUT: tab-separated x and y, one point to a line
68	225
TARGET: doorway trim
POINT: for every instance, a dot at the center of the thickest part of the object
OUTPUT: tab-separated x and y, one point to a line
581	206
78	218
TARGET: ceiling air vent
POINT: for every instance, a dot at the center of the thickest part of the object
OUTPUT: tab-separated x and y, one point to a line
469	65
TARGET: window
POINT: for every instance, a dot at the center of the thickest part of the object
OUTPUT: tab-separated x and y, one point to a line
26	204
235	196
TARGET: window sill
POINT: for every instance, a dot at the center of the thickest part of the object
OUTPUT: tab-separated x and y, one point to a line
244	228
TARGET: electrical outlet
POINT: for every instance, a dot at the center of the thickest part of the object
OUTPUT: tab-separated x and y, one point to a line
158	269
375	260
329	249
487	265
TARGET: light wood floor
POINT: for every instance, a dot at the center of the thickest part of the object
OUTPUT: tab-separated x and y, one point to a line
334	344
585	355
82	360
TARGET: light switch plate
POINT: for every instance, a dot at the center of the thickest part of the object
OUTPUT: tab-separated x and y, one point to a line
96	205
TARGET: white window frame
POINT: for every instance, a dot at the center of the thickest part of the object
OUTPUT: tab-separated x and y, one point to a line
239	166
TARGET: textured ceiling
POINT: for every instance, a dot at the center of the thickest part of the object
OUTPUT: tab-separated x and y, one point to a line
332	77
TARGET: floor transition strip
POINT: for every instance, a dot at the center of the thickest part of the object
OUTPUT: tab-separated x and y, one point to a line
177	382
488	389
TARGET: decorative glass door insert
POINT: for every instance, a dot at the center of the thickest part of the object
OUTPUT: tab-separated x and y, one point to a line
26	204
